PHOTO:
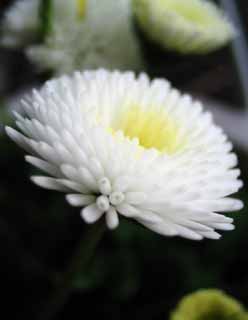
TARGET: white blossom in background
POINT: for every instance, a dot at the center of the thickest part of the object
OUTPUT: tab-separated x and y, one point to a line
103	37
20	25
188	27
121	145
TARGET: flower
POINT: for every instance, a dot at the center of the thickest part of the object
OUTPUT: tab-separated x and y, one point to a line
117	144
85	35
188	27
209	304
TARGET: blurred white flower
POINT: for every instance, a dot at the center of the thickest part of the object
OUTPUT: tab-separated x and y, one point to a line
120	145
188	27
20	26
103	37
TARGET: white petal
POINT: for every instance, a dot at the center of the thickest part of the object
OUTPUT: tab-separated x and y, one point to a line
127	210
224	226
149	217
79	200
211	235
135	197
73	186
188	233
112	219
91	213
43	165
122	183
104	186
102	203
88	179
49	183
72	174
165	229
21	140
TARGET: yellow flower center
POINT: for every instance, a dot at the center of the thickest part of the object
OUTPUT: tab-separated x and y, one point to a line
81	8
153	128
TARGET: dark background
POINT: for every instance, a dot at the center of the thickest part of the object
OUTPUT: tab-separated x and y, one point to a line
135	273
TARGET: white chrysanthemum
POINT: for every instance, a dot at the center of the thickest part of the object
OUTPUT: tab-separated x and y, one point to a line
120	145
103	37
192	26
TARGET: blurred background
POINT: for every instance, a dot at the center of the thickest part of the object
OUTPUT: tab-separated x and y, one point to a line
135	273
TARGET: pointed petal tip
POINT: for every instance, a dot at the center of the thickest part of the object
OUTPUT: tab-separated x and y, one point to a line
35	179
9	131
80	200
69	199
48	183
29	159
41	181
239	205
213	235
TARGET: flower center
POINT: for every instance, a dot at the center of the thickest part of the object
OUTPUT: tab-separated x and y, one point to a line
152	127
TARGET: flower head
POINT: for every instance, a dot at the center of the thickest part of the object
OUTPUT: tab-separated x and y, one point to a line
121	145
209	305
188	27
84	35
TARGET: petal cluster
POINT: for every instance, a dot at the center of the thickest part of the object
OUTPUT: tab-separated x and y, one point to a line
72	131
187	27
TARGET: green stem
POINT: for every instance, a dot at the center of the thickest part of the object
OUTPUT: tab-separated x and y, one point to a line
77	265
46	13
